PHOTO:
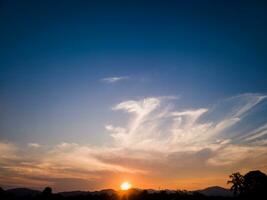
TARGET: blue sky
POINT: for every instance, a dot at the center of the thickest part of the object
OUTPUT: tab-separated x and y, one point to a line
66	65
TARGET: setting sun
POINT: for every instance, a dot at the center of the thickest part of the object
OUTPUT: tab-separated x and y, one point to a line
125	186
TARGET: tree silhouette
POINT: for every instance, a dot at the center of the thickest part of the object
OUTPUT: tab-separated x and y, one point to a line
255	183
47	192
237	181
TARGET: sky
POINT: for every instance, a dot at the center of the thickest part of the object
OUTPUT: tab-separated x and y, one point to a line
164	94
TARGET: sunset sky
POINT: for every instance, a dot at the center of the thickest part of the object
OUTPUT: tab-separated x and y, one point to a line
163	94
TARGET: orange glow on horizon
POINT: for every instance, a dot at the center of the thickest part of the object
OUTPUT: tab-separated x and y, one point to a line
125	185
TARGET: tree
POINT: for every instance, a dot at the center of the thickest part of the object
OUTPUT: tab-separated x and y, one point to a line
255	183
237	181
47	192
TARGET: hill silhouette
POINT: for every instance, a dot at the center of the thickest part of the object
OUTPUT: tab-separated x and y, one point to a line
216	191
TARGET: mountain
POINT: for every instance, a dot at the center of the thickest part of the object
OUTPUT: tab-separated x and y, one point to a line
216	191
22	192
105	191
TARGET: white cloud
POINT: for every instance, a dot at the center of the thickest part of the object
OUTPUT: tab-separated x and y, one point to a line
251	101
142	107
259	132
189	117
133	132
154	127
114	79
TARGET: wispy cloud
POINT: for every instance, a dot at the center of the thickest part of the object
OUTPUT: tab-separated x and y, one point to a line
158	141
114	79
8	151
34	145
153	126
255	134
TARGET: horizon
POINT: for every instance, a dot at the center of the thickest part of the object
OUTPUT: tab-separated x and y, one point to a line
116	190
165	94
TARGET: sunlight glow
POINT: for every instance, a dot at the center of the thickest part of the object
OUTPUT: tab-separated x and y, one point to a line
125	186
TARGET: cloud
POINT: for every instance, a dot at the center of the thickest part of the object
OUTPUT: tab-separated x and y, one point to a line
74	156
65	161
242	155
34	145
114	79
255	134
128	136
8	152
153	126
159	143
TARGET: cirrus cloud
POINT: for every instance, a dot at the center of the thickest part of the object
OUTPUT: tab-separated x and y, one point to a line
114	79
157	143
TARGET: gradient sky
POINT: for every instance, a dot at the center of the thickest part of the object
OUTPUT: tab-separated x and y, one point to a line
165	94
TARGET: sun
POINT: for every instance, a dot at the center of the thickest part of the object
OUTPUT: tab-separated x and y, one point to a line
125	185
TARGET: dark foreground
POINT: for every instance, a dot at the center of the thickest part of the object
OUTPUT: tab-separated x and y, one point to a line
251	186
132	194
